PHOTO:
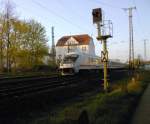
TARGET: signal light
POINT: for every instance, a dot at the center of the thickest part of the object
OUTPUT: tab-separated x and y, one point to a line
97	15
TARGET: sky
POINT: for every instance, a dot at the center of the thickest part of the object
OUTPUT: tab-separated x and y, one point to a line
71	17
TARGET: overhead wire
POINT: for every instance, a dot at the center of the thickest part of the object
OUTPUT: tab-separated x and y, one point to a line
105	4
60	2
59	16
23	8
72	10
138	17
58	35
141	30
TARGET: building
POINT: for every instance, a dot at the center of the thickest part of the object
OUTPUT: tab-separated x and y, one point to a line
74	43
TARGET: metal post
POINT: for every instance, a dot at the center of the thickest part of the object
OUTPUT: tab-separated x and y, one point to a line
1	49
103	35
8	41
53	46
145	50
104	55
131	39
130	44
98	30
105	60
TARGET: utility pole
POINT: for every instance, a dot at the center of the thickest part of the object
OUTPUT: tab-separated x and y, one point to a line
131	39
145	57
104	32
8	39
1	49
53	51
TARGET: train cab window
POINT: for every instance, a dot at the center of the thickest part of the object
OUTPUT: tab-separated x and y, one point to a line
70	58
84	48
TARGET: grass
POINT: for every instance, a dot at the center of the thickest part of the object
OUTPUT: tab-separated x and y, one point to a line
115	107
100	109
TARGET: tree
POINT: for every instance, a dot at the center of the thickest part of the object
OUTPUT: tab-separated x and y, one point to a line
23	44
31	43
6	21
37	42
1	44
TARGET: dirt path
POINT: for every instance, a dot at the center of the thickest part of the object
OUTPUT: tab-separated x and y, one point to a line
142	113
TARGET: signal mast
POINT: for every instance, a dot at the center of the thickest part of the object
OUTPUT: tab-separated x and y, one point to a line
105	31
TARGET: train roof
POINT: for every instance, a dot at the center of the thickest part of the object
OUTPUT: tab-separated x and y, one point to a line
83	39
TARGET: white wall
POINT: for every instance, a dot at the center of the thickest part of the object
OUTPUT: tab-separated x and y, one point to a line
91	48
62	50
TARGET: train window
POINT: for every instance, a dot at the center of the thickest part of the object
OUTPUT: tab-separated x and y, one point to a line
84	48
70	59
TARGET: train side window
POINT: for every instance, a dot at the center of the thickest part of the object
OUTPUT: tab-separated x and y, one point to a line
84	48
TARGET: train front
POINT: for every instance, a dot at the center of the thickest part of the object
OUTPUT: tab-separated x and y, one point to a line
70	64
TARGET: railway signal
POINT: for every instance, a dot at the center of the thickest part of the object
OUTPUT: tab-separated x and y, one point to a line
97	15
105	30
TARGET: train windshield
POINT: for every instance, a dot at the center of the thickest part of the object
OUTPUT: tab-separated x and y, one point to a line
70	58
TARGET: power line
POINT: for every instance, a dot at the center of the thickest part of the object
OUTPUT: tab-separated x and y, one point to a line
142	31
29	12
106	4
61	17
138	17
70	9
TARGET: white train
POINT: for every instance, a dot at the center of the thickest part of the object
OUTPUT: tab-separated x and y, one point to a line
74	62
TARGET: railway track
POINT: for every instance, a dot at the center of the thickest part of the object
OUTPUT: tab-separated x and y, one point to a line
11	82
19	97
11	77
24	86
17	88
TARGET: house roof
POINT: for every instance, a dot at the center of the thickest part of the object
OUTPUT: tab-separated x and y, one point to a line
83	39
